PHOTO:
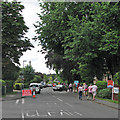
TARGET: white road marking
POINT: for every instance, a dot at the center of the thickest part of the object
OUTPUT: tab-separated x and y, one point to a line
17	101
68	104
49	114
23	100
70	113
47	103
60	99
78	113
29	115
63	112
40	115
54	96
55	103
23	115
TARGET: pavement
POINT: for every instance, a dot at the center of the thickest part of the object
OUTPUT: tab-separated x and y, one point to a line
18	95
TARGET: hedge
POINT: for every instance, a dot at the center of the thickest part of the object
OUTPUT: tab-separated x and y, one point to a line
9	85
3	87
2	82
101	85
105	93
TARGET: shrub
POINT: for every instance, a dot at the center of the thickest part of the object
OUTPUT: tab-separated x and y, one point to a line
50	82
18	86
9	85
105	93
3	87
55	82
101	85
26	85
2	82
116	78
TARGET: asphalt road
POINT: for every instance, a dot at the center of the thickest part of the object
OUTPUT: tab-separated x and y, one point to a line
50	104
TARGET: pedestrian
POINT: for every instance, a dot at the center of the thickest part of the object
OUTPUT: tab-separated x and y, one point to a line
89	91
94	90
78	86
84	89
74	85
80	89
70	87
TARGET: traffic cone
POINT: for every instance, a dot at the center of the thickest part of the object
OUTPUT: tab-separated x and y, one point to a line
34	93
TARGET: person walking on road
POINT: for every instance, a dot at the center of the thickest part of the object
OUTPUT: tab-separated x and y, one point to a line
89	91
70	87
94	90
80	89
84	89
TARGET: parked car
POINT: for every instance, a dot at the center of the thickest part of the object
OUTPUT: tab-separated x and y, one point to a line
35	86
60	88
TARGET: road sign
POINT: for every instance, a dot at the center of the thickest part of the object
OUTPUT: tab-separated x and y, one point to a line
26	92
76	82
110	84
116	90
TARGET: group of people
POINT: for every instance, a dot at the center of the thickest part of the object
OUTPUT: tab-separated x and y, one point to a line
84	90
89	91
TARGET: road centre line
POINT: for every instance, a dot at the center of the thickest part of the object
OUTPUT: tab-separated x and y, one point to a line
68	104
60	99
78	113
17	101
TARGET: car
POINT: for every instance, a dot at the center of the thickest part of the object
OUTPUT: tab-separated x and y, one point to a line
35	86
60	88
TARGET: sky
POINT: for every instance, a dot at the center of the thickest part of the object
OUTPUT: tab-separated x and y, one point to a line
37	58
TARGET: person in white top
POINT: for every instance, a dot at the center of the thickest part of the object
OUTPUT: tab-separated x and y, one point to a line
89	91
94	89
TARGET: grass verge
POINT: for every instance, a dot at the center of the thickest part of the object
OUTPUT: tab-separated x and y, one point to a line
113	101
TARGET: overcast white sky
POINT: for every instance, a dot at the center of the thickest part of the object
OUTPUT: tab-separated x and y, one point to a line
37	59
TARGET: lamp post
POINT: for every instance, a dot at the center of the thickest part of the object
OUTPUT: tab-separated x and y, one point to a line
23	71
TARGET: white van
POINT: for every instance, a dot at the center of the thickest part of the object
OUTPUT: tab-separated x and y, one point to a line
35	86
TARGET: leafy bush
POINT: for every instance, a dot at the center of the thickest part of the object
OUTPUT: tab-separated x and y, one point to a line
101	85
55	82
116	78
18	86
19	80
50	82
105	93
9	85
26	85
37	79
3	87
2	82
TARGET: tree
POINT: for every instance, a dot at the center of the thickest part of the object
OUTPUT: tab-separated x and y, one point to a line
86	35
28	73
14	42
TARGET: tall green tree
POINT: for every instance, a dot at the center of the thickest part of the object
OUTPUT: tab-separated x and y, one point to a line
28	73
86	34
14	42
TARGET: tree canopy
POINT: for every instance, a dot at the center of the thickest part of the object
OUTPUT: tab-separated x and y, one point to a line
14	42
85	34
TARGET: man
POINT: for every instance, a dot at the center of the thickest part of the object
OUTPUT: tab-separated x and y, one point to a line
94	89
